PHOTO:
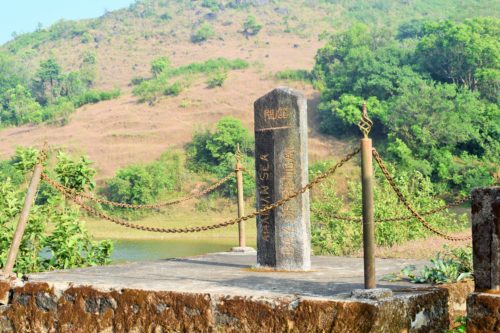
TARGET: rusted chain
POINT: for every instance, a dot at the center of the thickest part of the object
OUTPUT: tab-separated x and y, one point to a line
61	188
249	173
454	203
74	197
409	206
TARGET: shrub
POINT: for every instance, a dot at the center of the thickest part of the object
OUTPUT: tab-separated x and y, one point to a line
214	152
65	245
217	79
136	80
205	32
213	5
295	75
95	96
209	66
159	65
77	175
165	17
142	184
250	26
87	38
173	90
451	266
132	185
338	237
150	90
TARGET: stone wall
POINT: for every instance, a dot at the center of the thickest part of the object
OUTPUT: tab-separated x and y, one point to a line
483	306
39	307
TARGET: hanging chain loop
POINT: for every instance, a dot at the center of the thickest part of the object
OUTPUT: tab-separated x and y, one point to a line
407	204
76	198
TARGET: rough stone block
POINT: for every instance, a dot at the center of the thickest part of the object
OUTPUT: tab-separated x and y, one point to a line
4	292
486	237
483	313
373	294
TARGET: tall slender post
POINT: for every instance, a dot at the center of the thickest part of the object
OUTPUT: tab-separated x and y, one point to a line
241	202
367	185
23	218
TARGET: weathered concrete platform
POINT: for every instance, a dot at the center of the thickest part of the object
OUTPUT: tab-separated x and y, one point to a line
224	293
231	274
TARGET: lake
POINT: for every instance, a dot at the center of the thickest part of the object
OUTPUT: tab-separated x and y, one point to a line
140	250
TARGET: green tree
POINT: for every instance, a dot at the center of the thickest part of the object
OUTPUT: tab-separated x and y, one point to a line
10	74
215	151
459	52
67	244
77	175
47	82
88	68
209	149
132	185
19	107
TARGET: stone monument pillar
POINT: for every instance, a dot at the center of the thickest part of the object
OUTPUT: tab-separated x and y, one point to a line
283	234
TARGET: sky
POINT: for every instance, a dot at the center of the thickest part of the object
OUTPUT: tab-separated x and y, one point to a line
24	15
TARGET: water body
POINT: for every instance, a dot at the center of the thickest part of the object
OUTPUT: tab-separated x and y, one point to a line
140	250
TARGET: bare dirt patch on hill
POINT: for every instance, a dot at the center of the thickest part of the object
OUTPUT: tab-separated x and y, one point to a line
120	132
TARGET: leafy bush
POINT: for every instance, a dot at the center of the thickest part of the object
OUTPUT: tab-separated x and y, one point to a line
55	238
250	26
213	5
136	80
77	175
338	237
294	75
209	66
205	32
142	184
165	17
217	79
428	116
150	90
214	152
95	96
159	65
173	90
453	265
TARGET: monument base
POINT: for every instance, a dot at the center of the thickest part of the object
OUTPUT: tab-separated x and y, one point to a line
483	312
222	293
243	249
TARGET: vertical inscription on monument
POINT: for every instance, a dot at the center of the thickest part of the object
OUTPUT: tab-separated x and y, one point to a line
283	234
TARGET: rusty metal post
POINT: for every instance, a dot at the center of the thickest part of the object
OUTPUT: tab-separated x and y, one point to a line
23	218
368	210
241	201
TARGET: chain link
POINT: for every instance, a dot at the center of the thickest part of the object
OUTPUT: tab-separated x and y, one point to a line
456	202
61	188
74	197
409	206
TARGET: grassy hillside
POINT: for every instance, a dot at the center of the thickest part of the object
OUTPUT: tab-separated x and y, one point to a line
121	131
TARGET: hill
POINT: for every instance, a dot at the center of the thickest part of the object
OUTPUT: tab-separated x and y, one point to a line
121	131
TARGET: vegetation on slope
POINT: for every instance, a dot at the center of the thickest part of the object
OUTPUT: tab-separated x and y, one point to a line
432	93
55	237
48	95
162	81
